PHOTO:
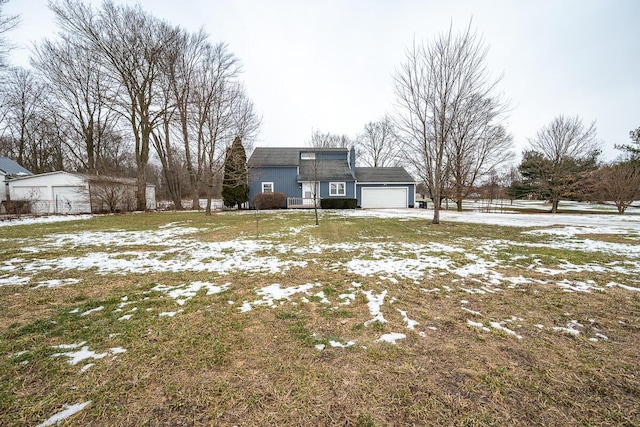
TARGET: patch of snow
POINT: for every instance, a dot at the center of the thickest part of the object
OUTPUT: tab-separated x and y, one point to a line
620	285
14	280
68	410
323	298
501	327
570	329
93	310
183	293
125	317
475	313
44	220
375	305
478	325
54	283
411	324
391	338
319	346
275	292
346	298
84	353
169	313
69	346
339	344
86	367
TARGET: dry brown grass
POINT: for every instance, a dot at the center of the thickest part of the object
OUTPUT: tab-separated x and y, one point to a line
214	365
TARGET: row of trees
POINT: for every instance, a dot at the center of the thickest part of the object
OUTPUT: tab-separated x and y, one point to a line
448	128
563	164
118	86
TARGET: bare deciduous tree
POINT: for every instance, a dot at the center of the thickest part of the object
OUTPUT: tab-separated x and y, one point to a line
329	140
378	144
433	86
79	85
180	68
619	183
7	23
130	44
479	144
24	98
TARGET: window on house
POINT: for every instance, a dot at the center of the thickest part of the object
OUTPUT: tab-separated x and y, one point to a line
267	187
307	156
337	189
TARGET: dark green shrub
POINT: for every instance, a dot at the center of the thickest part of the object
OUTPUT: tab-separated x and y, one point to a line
341	203
269	201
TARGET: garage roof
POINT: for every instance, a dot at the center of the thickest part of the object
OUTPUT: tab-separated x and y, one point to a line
395	174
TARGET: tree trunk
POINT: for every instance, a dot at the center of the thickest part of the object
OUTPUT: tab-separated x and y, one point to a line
459	205
554	205
142	160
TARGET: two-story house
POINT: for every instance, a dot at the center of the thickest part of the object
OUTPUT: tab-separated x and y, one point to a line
306	175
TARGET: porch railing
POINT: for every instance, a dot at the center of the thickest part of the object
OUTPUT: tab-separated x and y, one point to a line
302	203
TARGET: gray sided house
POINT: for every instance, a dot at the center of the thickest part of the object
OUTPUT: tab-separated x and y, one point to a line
306	175
9	170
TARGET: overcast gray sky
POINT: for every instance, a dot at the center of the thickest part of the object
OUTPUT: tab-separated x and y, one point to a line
328	65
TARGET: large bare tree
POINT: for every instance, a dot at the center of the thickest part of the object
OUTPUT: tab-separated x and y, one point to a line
378	145
131	45
24	97
7	23
80	98
433	85
479	144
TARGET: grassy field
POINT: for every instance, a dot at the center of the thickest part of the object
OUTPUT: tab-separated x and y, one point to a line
177	319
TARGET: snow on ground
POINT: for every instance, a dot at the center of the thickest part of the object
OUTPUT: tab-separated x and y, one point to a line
42	220
67	411
480	271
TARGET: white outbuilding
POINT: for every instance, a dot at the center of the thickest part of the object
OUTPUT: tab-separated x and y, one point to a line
73	193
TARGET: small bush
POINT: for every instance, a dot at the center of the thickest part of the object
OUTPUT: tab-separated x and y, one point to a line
338	203
269	201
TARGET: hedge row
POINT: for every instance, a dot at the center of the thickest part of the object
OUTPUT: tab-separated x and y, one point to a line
338	203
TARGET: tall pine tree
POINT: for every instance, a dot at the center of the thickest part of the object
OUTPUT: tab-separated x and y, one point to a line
235	186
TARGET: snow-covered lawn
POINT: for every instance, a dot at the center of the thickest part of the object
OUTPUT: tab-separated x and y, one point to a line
384	286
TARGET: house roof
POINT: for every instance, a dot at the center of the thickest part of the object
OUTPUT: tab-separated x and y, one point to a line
394	174
283	156
325	170
9	167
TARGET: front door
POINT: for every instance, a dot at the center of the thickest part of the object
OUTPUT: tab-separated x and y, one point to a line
309	193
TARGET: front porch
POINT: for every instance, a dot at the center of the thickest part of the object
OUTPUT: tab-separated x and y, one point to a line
302	203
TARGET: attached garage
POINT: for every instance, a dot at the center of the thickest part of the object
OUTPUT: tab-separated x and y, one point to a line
384	197
384	188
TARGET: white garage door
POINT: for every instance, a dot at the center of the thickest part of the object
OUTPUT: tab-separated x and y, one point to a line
384	197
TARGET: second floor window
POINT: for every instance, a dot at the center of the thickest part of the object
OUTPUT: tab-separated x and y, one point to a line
267	187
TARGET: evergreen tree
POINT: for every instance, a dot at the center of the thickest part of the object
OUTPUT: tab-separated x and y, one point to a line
632	150
235	187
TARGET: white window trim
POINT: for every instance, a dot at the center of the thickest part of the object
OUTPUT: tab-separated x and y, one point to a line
337	187
307	155
272	187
